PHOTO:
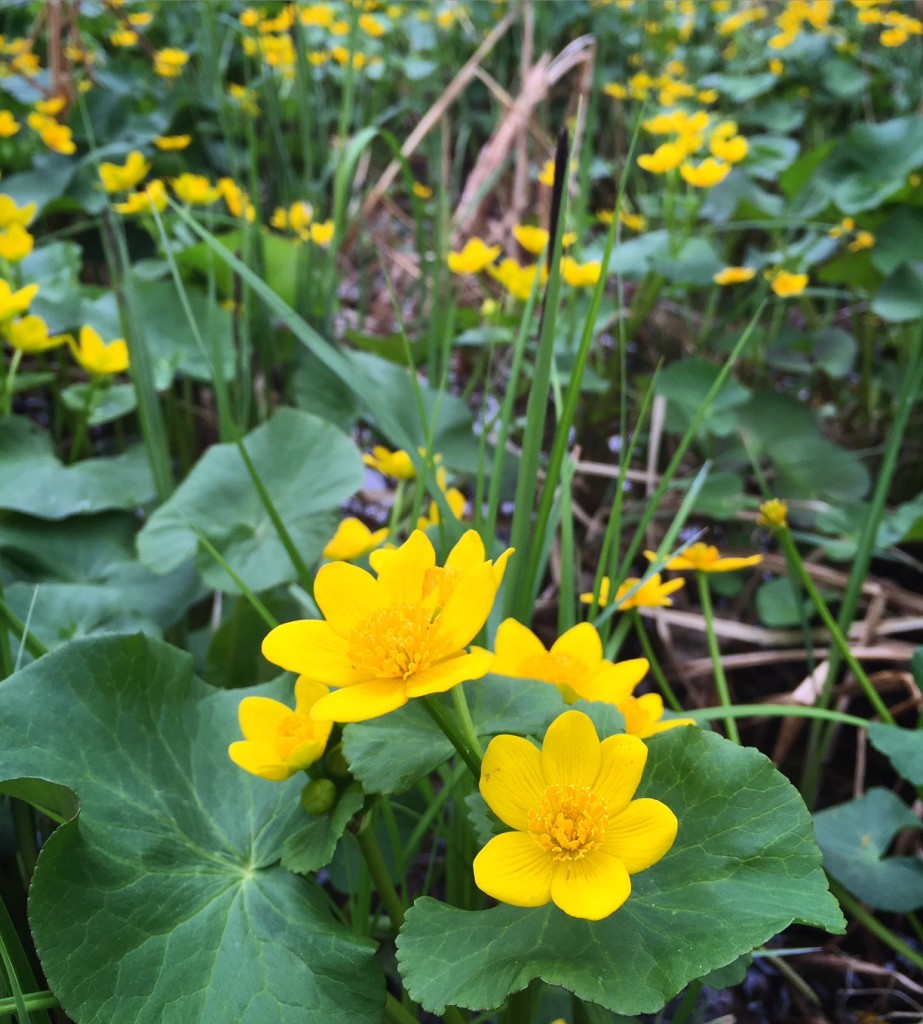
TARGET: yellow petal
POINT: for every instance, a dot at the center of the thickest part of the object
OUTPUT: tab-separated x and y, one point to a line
360	702
467	553
623	759
570	752
593	887
612	683
307	693
512	782
401	571
641	834
467	607
581	643
259	716
311	750
310	647
347	595
515	644
259	759
514	869
449	673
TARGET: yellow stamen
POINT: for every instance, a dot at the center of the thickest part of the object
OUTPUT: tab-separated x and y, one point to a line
395	642
570	823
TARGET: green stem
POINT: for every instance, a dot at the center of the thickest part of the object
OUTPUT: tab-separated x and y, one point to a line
721	683
688	1002
33	1001
467	723
10	382
397	1013
614	644
374	861
840	641
775	711
454	735
656	670
16	626
881	931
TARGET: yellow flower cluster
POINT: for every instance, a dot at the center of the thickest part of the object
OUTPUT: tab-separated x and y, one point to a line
692	132
299	219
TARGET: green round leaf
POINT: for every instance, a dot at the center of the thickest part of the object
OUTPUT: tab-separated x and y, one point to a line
308	467
163	901
903	747
744	866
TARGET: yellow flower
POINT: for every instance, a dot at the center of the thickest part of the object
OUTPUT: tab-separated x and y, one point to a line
246	98
785	284
734	275
532	238
402	635
651	594
8	124
643	716
11	214
97	356
863	240
236	199
893	37
518	280
278	742
123	37
731	150
475	256
140	19
580	275
616	90
776	67
152	197
170	143
318	15
632	221
371	26
122	177
169	63
546	174
15	243
322	233
773	514
57	137
578	833
30	334
705	558
52	106
844	227
397	463
15	303
353	539
666	157
195	189
422	191
575	663
456	501
707	174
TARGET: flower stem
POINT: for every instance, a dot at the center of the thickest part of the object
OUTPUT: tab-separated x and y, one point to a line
464	716
721	683
444	720
656	670
374	861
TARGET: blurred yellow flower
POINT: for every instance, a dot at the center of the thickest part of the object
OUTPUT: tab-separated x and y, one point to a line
99	357
397	464
317	15
384	641
30	334
863	240
15	243
123	37
580	275
371	26
8	124
15	303
322	232
532	238
707	174
422	191
546	174
278	742
453	496
122	177
353	539
731	150
666	157
152	197
734	275
574	664
195	189
57	137
169	62
578	835
11	214
52	106
651	594
236	199
773	514
170	143
705	558
516	279
644	716
785	284
475	256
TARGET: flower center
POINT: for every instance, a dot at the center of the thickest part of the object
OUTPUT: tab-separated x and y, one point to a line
395	642
570	821
291	732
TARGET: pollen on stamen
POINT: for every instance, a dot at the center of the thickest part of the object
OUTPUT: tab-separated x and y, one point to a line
570	822
393	643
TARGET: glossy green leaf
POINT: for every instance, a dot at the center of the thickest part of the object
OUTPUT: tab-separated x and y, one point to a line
308	468
388	754
33	480
902	747
744	866
312	845
100	406
685	385
900	297
163	901
855	837
897	240
779	605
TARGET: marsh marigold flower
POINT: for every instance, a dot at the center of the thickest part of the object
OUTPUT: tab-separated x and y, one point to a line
278	742
9	126
152	197
705	558
575	663
786	284
707	174
644	716
15	243
474	256
734	275
353	539
580	275
15	303
97	356
30	334
578	833
402	635
171	143
122	177
397	464
11	214
651	594
666	157
195	189
169	62
773	514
